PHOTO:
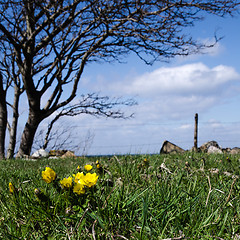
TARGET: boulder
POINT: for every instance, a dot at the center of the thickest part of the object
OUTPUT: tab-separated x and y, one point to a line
235	150
68	154
204	148
57	153
213	149
168	147
226	150
41	153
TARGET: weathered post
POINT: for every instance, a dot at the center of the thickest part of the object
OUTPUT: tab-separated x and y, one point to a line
196	133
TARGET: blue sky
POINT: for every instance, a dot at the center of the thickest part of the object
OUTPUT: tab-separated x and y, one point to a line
168	96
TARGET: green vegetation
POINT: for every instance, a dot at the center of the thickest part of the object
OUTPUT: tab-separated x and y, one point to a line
190	196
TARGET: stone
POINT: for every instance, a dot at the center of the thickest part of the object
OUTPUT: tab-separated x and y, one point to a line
168	147
57	153
41	153
68	154
213	149
205	146
226	150
235	150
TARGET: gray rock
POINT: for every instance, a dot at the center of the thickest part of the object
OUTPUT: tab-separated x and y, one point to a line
205	146
168	147
41	153
213	149
235	150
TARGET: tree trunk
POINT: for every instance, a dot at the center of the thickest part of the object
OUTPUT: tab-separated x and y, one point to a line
13	129
29	131
3	119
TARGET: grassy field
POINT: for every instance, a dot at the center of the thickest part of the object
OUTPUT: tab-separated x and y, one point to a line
190	196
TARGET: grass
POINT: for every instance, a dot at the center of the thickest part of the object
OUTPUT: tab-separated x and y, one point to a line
136	197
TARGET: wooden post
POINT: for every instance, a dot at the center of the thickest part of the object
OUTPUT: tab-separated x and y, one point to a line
196	133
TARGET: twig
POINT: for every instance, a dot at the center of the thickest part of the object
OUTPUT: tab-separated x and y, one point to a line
81	219
163	166
120	236
26	181
210	190
69	238
229	195
176	238
105	202
112	236
116	158
93	231
183	237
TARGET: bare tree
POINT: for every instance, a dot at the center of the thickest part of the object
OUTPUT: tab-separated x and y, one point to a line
3	117
15	112
91	104
13	86
53	41
63	136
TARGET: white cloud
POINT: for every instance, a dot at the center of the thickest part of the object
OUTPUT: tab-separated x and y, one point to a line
186	126
188	79
214	124
169	93
177	92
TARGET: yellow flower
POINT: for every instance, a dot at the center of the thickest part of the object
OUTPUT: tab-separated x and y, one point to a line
78	167
48	175
90	179
146	162
66	182
11	188
78	177
88	167
98	164
79	188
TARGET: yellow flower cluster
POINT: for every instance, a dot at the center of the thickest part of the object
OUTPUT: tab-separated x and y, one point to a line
82	181
79	180
48	175
79	183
